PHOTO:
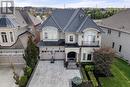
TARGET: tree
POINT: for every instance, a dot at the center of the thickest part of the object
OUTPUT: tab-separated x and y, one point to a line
103	58
31	53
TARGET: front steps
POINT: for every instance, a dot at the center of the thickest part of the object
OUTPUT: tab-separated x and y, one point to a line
72	65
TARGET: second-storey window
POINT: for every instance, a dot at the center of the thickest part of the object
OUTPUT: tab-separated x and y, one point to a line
71	38
119	34
113	44
4	37
109	31
11	36
120	48
46	35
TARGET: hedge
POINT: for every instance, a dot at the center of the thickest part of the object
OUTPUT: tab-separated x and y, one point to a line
23	81
93	79
84	74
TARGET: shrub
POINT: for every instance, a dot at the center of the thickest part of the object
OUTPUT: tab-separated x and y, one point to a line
93	79
89	68
23	81
27	71
84	75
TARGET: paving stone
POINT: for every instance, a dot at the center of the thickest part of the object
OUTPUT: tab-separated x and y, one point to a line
52	75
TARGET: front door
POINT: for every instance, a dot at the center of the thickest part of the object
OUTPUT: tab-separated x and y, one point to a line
71	56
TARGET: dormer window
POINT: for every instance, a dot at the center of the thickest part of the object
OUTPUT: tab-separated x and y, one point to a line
71	38
46	35
4	37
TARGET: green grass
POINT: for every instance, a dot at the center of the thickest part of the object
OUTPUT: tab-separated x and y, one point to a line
121	71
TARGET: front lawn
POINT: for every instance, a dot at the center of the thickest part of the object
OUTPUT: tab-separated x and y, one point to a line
121	75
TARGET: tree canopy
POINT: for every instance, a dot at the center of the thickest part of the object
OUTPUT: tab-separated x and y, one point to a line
103	58
31	53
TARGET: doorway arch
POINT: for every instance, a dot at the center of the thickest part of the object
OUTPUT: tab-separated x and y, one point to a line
71	56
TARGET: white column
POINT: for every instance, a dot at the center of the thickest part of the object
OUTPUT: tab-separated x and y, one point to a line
66	59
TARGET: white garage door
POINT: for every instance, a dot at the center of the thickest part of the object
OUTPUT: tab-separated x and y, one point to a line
60	55
55	54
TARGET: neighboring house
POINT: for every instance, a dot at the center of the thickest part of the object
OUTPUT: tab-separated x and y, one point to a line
69	35
117	33
14	32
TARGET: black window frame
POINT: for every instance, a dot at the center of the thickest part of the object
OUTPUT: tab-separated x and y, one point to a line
120	48
109	31
71	38
89	57
113	44
119	34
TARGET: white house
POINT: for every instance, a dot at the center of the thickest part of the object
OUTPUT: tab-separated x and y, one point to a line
117	33
14	31
69	35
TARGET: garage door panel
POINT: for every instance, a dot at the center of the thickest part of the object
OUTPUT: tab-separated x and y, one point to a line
59	55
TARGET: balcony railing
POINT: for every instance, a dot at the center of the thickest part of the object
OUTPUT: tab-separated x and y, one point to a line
90	43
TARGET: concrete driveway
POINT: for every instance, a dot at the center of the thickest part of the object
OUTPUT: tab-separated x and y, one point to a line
6	75
52	75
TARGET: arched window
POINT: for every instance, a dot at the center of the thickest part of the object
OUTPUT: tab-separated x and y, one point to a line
71	38
4	37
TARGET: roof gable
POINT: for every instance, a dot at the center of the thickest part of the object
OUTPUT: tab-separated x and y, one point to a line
70	20
51	22
88	23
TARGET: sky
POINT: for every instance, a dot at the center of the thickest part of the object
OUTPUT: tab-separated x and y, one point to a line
74	3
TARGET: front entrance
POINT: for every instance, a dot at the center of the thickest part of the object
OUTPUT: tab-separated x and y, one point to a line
71	56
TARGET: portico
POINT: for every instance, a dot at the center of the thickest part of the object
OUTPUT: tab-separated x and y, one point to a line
72	54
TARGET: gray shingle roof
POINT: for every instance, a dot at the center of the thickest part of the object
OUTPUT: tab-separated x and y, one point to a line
70	20
6	22
17	45
119	21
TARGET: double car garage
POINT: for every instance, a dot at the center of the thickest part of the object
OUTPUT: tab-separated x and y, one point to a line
56	52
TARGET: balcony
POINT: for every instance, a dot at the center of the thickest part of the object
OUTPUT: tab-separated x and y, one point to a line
90	43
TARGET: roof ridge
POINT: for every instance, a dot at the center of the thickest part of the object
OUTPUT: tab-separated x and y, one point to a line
72	17
82	24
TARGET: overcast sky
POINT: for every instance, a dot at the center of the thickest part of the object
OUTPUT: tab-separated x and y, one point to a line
74	3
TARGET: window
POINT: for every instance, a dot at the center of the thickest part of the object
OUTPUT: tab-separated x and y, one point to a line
113	44
94	38
89	57
46	35
84	56
109	31
11	36
71	38
120	48
119	34
4	37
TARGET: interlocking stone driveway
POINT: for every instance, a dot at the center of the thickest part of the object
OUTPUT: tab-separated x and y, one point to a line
52	75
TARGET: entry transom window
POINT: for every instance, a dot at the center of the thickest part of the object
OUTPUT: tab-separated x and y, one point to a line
4	37
71	38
